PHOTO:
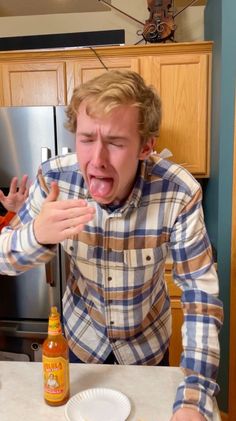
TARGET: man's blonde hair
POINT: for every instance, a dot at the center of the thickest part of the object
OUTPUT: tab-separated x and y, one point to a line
112	89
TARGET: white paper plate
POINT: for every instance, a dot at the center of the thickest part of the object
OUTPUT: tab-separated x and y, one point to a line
98	404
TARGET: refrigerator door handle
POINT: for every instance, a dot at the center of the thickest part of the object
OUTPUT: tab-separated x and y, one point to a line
45	153
65	150
50	273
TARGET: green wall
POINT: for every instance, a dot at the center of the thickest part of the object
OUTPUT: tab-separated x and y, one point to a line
220	25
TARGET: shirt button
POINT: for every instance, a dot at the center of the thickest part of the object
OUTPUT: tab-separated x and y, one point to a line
110	301
109	278
148	258
71	248
111	322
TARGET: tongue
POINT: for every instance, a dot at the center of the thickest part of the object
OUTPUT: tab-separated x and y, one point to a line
100	186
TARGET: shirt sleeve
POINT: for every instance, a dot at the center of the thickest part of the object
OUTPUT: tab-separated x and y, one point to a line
195	274
20	250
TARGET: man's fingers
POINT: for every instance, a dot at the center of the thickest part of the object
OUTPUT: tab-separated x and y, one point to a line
73	213
26	193
68	204
23	184
78	220
54	193
13	185
76	225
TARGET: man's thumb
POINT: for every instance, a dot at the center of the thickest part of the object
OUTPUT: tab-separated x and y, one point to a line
54	192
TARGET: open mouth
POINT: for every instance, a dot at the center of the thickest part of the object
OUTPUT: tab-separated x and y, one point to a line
100	186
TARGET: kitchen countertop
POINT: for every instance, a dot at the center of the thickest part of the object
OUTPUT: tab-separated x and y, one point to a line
151	390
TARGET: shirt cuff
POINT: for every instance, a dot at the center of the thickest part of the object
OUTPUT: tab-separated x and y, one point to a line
197	392
24	241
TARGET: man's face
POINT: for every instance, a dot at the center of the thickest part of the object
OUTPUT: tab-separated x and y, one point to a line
108	151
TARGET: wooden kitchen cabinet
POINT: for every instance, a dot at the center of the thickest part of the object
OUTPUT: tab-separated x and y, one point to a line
181	73
37	83
177	317
182	82
85	69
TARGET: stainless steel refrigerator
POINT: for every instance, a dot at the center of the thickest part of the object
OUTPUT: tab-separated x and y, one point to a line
29	136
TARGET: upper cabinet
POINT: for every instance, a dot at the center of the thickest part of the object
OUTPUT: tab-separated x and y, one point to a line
82	70
36	83
181	74
182	82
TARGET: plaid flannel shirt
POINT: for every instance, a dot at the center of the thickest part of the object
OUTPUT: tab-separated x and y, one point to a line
116	296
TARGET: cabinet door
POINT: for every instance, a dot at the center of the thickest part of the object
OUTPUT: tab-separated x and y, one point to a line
85	69
182	82
38	83
176	348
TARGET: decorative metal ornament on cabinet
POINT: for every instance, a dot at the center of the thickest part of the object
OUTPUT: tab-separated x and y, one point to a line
160	25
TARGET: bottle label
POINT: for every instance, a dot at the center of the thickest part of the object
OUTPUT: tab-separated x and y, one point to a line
56	378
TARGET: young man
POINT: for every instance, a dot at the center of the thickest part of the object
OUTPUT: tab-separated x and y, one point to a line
14	200
118	209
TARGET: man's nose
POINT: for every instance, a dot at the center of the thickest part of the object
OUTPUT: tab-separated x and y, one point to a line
99	155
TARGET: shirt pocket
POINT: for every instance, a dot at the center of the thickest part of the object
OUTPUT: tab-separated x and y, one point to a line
143	257
78	249
143	264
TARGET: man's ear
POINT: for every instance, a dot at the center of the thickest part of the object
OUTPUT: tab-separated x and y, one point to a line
147	148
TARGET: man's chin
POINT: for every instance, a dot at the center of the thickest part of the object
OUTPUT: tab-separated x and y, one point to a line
101	200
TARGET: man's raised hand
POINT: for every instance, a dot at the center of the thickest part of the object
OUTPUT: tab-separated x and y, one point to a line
58	220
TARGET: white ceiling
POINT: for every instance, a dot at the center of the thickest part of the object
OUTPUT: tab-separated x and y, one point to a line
42	7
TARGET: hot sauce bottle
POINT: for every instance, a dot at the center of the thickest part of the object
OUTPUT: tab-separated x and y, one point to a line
55	363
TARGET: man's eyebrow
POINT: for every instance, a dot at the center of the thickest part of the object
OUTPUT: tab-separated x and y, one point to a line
88	134
108	137
115	137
